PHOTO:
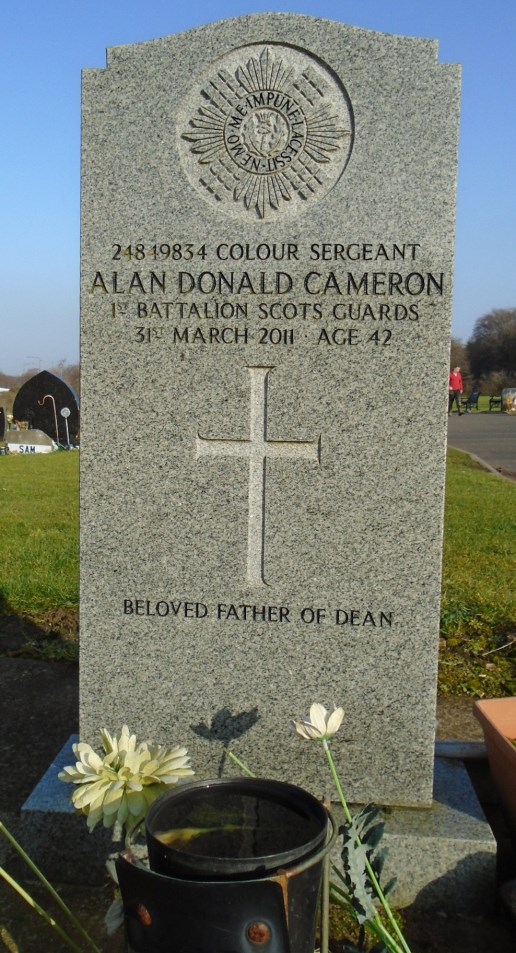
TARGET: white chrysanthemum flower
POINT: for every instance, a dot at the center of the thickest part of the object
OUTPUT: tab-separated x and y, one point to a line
320	724
120	787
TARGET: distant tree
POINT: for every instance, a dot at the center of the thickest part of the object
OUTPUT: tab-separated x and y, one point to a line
71	373
7	399
492	350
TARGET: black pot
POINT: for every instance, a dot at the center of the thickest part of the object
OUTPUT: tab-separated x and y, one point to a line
253	827
250	881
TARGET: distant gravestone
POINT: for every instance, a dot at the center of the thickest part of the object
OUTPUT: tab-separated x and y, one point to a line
39	402
29	442
267	254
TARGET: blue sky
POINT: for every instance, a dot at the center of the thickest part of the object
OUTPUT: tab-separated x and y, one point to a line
44	44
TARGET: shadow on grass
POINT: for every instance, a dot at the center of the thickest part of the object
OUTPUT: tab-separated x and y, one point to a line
51	635
39	708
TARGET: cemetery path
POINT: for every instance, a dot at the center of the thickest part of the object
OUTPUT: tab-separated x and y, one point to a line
490	438
39	711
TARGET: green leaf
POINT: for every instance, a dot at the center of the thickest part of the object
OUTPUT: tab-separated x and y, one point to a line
389	887
360	842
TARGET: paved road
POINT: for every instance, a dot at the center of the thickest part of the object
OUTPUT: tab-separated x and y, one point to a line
490	437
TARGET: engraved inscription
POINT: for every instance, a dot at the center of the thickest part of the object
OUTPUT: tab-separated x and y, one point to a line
260	134
269	129
258	449
167	607
209	292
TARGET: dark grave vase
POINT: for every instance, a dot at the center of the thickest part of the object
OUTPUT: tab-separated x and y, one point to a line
235	866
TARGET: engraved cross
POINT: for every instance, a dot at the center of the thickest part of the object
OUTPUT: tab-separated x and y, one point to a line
258	449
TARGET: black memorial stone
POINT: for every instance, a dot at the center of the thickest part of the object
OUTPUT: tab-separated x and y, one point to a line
40	401
3	423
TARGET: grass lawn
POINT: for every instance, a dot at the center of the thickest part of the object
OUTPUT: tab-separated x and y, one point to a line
39	556
478	612
39	532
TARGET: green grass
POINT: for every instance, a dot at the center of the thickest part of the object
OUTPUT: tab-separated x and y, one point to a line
39	559
39	538
478	611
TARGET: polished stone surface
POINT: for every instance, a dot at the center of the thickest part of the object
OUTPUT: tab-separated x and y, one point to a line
267	254
40	402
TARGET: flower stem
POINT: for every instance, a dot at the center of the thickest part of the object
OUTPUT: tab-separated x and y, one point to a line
240	764
35	906
48	886
379	892
390	943
325	905
376	927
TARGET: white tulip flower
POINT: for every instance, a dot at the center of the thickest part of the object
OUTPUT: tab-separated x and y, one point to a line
320	724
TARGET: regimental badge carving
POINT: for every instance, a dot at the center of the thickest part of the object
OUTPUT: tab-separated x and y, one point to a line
269	130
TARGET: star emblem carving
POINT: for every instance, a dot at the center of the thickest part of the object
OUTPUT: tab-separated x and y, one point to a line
273	128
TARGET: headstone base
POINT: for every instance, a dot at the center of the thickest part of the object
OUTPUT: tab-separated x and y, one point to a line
56	837
444	857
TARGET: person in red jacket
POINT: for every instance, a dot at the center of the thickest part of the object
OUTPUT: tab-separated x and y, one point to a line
456	389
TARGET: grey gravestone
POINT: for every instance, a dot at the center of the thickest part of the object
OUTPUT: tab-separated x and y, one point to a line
267	253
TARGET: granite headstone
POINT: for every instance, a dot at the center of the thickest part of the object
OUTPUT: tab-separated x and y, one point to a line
267	252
